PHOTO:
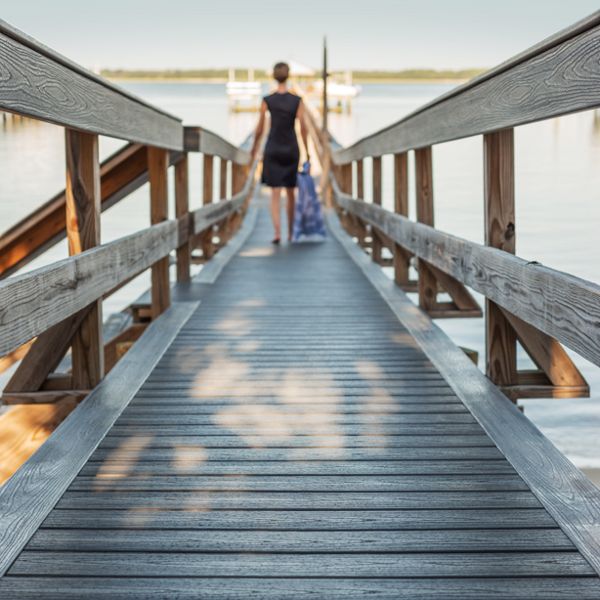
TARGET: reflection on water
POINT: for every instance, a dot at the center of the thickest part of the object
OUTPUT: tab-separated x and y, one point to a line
557	197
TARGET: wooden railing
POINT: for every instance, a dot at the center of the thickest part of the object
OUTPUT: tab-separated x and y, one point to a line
52	309
525	301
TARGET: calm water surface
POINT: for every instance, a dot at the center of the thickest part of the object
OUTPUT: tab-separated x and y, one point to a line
557	188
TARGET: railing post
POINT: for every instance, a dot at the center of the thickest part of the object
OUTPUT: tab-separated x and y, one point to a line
207	198
424	196
237	177
158	164
347	178
183	215
375	239
499	189
401	256
222	178
82	195
360	179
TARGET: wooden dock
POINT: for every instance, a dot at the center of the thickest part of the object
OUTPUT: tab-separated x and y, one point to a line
288	423
295	439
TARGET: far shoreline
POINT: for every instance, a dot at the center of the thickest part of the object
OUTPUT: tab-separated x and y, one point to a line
225	80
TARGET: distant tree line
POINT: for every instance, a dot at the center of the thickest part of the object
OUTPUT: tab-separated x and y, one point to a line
263	75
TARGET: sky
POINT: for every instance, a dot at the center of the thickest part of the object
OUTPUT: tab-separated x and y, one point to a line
362	34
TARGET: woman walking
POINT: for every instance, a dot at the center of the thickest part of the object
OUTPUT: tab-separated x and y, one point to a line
281	156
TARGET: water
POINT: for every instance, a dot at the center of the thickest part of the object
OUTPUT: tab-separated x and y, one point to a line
557	191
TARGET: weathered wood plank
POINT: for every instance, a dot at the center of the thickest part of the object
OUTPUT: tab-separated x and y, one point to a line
157	564
305	420
558	76
110	468
181	455
471	540
199	139
40	83
33	302
270	429
303	483
323	410
313	520
34	489
304	588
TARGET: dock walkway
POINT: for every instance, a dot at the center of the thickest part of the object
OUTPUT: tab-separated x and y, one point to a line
295	440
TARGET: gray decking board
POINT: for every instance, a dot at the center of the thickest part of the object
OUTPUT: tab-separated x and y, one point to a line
196	564
306	520
230	588
471	540
112	469
303	483
293	432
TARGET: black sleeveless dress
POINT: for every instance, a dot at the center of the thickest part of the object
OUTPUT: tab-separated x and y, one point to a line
282	154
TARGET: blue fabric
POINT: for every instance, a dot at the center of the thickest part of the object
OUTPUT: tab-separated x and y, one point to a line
308	220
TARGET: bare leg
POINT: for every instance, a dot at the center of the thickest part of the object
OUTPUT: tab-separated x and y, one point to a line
276	211
291	200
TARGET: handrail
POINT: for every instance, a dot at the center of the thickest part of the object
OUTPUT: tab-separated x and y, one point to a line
121	174
562	305
40	83
199	139
33	302
558	76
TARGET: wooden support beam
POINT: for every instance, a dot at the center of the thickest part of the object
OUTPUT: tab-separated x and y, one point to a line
424	189
115	348
25	429
82	194
43	397
463	303
401	255
182	213
158	164
223	178
558	377
377	176
45	354
499	217
11	358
